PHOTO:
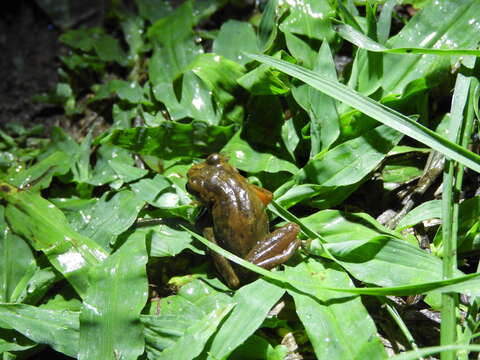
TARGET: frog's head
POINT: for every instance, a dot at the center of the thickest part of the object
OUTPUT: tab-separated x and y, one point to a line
205	177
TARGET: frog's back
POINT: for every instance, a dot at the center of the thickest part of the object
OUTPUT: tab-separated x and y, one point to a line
238	214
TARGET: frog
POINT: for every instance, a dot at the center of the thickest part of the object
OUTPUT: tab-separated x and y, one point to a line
235	219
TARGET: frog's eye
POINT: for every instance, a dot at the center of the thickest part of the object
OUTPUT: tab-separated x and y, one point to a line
214	159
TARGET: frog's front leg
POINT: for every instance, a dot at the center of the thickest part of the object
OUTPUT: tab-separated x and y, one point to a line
276	248
223	266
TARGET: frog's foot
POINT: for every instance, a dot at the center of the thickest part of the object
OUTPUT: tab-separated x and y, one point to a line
278	248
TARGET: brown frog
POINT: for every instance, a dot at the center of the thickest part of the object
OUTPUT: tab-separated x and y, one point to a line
238	221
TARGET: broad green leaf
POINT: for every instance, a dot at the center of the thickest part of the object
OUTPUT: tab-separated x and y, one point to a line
108	49
56	328
351	161
425	211
153	10
234	39
40	175
196	336
186	322
168	194
219	75
107	170
370	252
377	111
33	289
308	18
82	39
174	50
301	50
387	261
109	217
253	302
264	80
256	347
339	226
129	91
125	172
197	100
164	239
45	227
400	173
457	28
244	157
17	263
132	28
338	326
172	139
110	318
322	109
319	196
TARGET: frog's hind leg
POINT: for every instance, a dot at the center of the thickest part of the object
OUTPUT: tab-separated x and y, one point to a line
223	266
279	247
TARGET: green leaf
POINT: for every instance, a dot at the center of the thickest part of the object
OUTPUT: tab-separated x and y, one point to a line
339	226
351	161
108	49
164	239
109	217
40	175
17	263
377	111
132	28
263	80
56	328
46	229
234	39
301	50
256	347
186	322
309	18
113	165
130	91
427	210
197	100
253	302
370	252
82	39
110	318
454	30
153	10
172	139
326	319
243	156
219	75
174	50
322	109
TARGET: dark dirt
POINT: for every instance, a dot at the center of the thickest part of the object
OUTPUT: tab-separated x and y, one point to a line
28	65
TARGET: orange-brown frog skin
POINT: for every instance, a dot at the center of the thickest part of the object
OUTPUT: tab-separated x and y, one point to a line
238	219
